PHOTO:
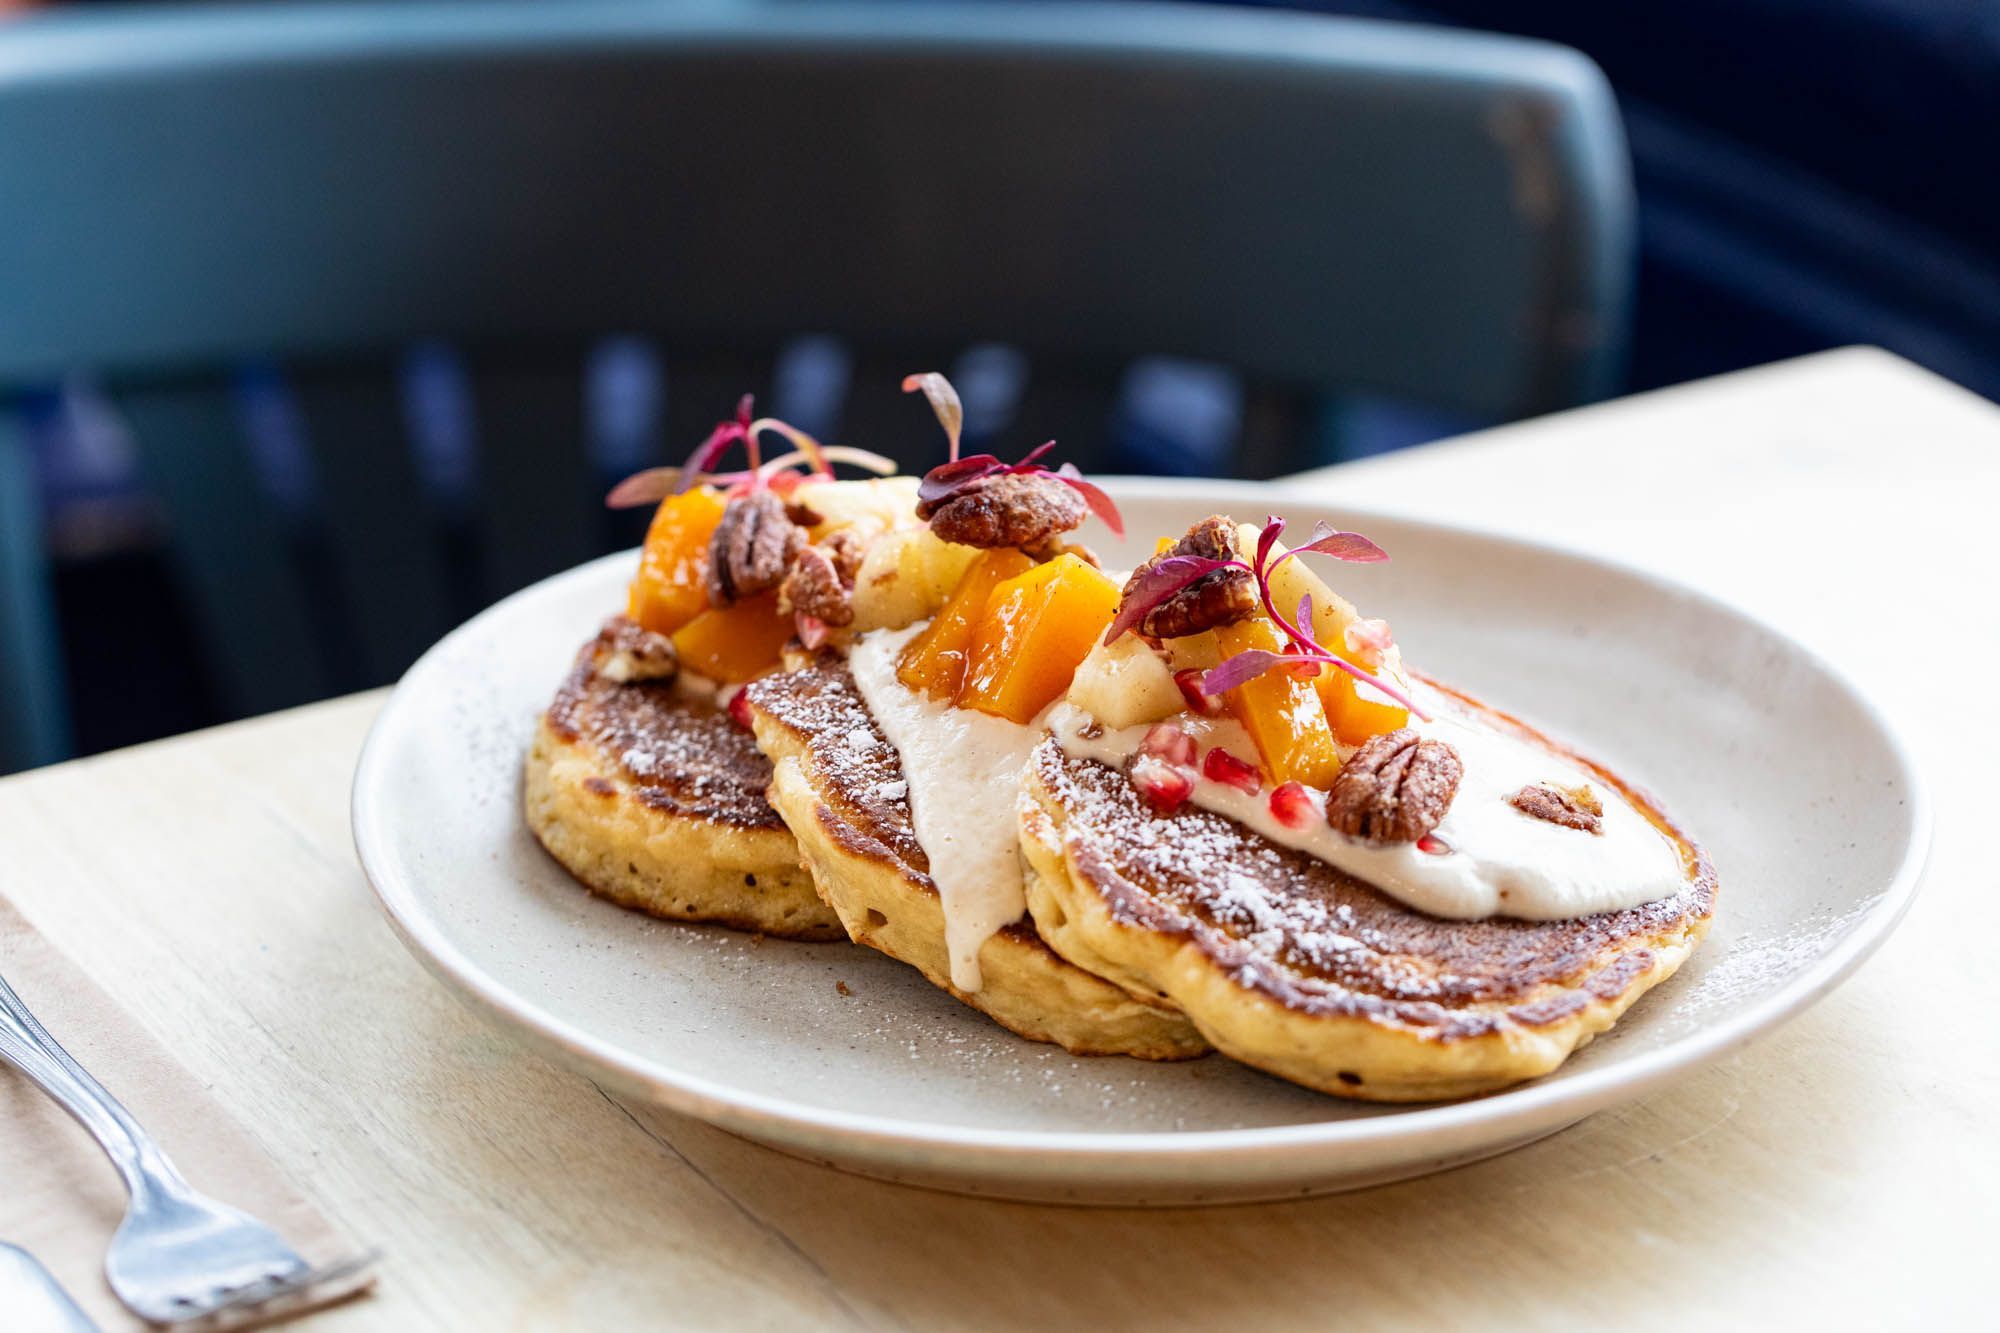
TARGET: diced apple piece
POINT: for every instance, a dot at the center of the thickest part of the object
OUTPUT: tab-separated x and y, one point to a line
1125	684
1037	627
737	643
864	507
934	661
668	592
1281	712
905	576
1192	652
1357	711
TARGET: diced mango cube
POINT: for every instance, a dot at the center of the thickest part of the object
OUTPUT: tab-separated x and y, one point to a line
1036	628
1357	711
1281	711
734	644
668	593
934	661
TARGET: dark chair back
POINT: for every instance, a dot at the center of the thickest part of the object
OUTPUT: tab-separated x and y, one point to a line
1318	204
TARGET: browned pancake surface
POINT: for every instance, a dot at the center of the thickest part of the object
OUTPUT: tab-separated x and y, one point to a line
1320	941
683	756
860	772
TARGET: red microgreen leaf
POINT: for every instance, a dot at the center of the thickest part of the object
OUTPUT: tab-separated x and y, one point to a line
644	488
1243	667
942	481
1340	545
944	402
1274	528
1155	583
1094	496
812	450
1032	460
955	474
705	454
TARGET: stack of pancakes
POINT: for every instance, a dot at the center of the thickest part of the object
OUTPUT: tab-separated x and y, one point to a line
1155	935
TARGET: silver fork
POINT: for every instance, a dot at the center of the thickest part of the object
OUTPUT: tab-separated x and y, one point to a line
178	1255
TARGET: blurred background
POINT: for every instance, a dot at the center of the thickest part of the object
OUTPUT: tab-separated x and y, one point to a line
1742	182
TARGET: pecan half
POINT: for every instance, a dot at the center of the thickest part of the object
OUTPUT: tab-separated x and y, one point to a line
752	547
1027	510
815	588
628	654
1219	598
1571	807
1395	788
845	548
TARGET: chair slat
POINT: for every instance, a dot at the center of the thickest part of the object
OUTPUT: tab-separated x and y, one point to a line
385	544
230	547
538	498
33	711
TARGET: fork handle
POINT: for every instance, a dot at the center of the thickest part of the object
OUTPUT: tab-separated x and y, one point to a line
27	1045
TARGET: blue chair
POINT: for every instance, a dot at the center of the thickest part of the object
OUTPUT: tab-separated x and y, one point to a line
1321	205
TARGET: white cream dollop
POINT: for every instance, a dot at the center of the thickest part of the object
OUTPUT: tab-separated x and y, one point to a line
1500	861
964	771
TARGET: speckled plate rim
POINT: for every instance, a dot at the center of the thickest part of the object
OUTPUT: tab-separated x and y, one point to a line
1237	1158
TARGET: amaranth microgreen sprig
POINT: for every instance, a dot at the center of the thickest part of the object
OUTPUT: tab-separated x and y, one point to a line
957	474
781	473
1163	578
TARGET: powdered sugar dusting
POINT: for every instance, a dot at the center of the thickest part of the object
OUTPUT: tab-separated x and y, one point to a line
1285	922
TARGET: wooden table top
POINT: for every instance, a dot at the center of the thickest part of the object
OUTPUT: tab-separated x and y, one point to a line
1842	1172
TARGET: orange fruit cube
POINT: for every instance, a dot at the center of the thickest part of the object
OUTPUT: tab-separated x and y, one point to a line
1035	631
668	593
734	644
1356	711
933	662
1281	711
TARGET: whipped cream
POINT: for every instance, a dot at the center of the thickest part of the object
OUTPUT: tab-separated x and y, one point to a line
963	769
1500	861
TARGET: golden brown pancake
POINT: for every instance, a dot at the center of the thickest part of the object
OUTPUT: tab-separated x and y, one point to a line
1296	968
656	801
839	783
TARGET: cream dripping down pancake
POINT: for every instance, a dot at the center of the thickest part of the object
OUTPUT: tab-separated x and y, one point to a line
848	793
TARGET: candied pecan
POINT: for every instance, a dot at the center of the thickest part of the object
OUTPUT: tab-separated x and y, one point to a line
1028	510
1394	789
845	548
1081	552
1222	597
1213	538
815	588
627	653
752	547
804	514
1571	807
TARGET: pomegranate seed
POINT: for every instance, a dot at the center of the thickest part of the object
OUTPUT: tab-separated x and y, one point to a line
1221	766
1165	787
1295	807
1301	670
1166	741
1434	845
739	709
1208	705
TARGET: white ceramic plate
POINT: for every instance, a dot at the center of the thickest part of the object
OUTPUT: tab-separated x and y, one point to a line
1806	800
